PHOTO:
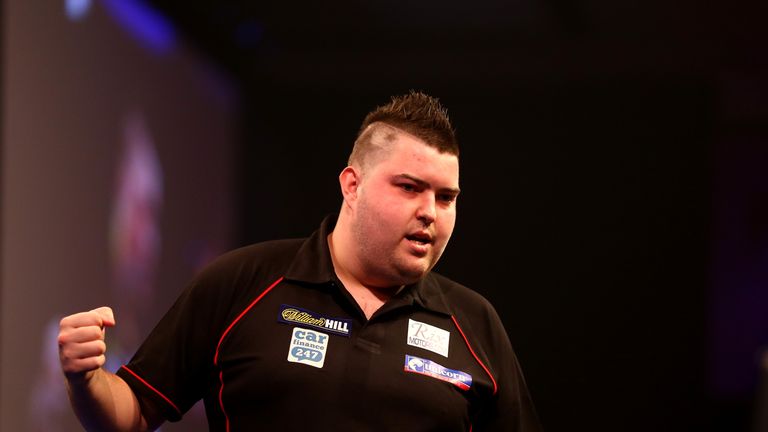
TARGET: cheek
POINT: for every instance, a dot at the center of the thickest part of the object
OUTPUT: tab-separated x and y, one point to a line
394	210
447	221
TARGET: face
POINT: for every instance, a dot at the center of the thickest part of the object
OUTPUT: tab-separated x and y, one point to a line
404	212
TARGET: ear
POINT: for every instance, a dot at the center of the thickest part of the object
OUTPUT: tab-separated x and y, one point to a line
349	180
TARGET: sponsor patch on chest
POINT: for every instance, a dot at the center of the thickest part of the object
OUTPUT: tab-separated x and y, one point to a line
428	337
308	347
296	315
429	368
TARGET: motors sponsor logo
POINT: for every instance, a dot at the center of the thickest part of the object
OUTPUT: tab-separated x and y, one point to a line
296	315
428	337
429	368
308	347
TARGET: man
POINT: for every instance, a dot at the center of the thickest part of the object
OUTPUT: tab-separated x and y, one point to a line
348	330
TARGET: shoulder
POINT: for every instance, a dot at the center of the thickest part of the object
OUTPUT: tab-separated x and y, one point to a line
459	298
273	255
240	273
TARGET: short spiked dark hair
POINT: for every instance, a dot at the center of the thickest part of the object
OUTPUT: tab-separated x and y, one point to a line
416	113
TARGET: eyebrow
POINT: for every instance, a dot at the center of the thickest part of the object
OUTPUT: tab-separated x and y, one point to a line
425	184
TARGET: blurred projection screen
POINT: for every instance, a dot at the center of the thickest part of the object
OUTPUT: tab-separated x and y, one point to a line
117	186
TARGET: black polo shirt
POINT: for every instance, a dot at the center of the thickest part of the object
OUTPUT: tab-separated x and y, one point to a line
271	340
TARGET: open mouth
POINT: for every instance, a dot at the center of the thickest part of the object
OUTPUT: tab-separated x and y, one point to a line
423	239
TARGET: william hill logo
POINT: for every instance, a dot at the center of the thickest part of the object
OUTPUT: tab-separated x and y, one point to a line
296	315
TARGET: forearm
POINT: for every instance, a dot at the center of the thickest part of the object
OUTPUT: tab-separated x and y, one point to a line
104	402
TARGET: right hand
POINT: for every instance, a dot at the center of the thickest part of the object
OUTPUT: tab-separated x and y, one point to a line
81	342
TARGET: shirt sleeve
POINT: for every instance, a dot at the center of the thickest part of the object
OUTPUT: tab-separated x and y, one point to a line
174	366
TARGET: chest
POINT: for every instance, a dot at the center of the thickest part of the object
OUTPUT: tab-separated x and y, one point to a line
312	358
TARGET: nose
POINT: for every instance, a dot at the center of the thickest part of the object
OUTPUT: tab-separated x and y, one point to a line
426	211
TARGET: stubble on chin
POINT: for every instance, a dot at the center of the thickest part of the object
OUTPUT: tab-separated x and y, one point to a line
385	269
408	271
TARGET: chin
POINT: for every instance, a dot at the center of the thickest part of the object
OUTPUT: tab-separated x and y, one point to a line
412	274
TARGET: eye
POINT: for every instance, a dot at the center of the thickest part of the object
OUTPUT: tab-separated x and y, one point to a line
446	198
407	187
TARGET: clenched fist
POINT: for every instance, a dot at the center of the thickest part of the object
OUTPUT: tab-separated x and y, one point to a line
81	342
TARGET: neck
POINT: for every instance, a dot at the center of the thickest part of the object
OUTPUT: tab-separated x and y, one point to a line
368	298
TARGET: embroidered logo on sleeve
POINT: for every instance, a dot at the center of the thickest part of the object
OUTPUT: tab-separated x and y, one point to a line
308	347
429	368
428	337
296	315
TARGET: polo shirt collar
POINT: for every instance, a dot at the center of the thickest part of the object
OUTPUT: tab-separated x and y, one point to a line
428	294
312	264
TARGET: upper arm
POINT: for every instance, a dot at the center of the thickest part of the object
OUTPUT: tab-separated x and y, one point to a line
131	411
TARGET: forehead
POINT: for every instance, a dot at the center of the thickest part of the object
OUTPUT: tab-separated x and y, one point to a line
407	154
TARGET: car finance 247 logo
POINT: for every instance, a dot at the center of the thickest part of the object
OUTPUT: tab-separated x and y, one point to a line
308	347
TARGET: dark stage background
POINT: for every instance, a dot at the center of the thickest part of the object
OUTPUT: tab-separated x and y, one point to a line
614	201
